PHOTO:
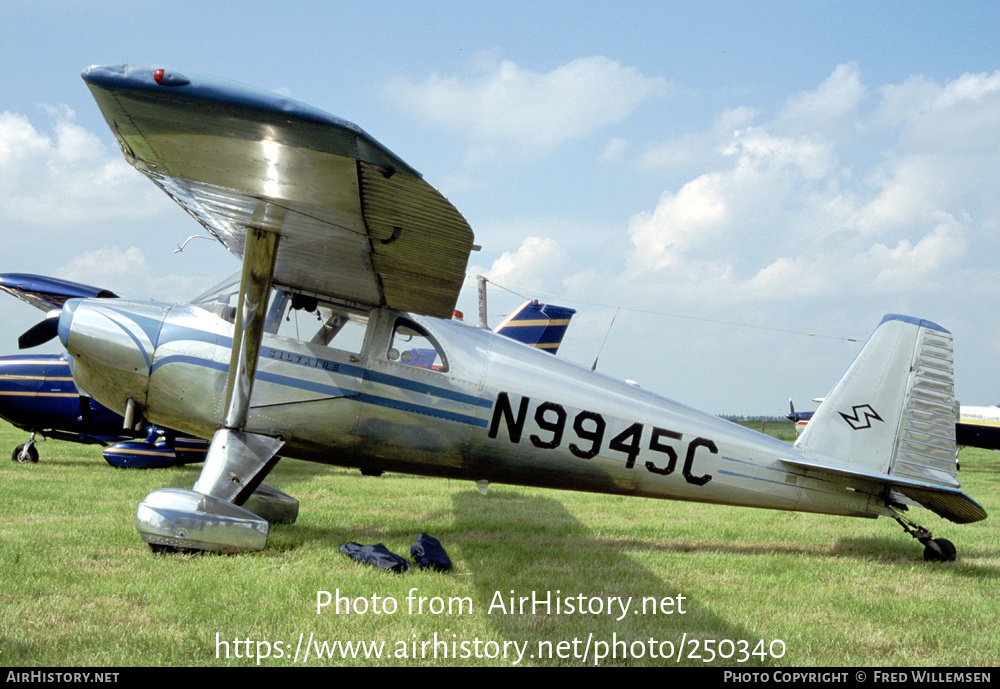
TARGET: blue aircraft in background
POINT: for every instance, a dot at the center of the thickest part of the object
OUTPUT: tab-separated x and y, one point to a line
542	326
799	418
38	395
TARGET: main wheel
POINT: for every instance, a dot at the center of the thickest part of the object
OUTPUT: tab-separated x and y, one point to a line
946	547
24	455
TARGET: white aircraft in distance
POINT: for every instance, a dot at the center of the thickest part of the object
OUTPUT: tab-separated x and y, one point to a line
978	427
337	232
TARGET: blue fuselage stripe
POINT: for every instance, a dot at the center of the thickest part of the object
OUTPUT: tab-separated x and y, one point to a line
356	372
420	409
299	384
413	386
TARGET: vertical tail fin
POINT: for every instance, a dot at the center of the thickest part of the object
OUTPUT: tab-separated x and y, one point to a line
891	420
893	412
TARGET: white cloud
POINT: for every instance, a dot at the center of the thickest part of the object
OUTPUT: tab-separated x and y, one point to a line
913	265
615	149
906	102
764	154
908	265
128	273
738	213
828	108
772	282
505	110
680	222
791	208
531	264
919	100
67	176
908	188
699	151
947	152
107	266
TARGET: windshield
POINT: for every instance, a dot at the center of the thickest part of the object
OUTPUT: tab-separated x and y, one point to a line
221	299
294	316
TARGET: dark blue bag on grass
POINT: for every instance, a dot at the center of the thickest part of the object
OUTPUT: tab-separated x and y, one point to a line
375	555
427	551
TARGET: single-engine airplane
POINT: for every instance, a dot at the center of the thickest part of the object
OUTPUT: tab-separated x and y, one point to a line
38	395
336	230
799	418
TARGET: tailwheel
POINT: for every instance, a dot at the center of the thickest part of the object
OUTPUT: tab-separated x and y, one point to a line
935	549
939	550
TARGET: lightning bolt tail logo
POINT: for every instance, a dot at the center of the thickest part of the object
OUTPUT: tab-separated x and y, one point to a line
862	417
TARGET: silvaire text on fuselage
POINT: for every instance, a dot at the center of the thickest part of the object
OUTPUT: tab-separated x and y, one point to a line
336	346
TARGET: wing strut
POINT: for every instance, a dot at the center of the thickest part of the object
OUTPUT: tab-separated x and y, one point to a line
233	467
255	286
207	518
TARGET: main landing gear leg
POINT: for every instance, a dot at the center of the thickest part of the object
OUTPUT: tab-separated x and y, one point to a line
209	517
935	549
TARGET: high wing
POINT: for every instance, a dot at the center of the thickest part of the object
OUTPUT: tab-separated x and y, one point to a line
354	221
315	205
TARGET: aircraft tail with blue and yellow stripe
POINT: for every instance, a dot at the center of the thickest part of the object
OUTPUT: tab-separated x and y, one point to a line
538	325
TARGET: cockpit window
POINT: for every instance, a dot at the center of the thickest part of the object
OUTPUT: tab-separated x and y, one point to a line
414	346
295	316
316	321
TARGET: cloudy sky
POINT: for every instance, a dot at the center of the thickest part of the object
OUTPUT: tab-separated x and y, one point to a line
731	194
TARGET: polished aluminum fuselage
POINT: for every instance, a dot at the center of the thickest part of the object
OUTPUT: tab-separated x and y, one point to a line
501	412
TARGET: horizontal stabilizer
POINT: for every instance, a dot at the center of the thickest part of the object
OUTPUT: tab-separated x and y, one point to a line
954	505
950	503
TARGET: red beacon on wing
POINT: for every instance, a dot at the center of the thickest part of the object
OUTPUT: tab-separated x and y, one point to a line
165	78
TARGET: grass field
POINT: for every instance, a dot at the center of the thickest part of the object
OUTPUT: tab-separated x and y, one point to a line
79	588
